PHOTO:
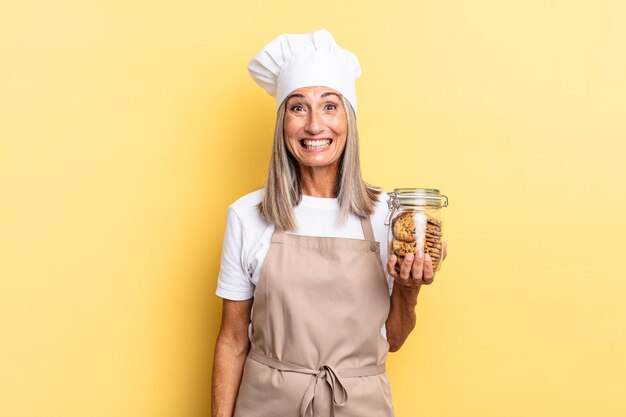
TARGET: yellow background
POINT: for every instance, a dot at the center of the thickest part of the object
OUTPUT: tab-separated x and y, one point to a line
127	128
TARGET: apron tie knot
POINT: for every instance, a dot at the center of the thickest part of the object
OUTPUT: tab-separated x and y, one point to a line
325	375
315	391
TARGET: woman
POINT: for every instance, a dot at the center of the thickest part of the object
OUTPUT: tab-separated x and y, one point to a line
308	312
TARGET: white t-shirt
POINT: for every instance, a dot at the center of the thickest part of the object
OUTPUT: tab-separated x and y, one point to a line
248	237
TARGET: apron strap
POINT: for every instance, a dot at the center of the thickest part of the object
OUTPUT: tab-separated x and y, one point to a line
366	225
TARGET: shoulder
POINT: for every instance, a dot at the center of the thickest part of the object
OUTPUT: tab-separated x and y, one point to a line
245	210
246	205
382	199
379	216
381	207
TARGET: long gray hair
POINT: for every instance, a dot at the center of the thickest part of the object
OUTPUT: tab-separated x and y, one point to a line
282	187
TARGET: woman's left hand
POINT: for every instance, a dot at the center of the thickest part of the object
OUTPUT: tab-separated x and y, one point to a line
415	270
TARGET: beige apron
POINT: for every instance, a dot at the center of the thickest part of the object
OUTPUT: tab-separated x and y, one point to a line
316	348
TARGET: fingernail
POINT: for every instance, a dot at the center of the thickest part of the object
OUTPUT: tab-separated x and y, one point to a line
409	256
427	257
420	254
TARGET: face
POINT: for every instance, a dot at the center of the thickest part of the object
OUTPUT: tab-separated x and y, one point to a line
315	126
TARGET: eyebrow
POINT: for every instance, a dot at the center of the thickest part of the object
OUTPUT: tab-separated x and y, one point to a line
323	95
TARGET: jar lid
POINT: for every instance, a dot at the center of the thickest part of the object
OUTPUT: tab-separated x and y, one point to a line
420	197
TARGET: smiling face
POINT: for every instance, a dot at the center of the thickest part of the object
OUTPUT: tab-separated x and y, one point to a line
315	126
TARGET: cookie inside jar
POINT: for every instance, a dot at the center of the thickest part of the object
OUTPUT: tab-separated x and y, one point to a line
415	230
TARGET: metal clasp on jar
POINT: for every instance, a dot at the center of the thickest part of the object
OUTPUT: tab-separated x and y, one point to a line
393	204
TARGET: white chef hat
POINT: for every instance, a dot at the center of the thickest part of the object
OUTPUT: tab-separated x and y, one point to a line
303	60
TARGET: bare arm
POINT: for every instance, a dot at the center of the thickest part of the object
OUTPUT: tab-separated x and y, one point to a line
231	349
401	320
406	287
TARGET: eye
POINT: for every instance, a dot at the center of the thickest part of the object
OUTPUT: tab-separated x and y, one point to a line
331	107
297	107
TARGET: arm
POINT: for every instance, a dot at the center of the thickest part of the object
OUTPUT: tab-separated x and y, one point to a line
231	349
406	287
401	319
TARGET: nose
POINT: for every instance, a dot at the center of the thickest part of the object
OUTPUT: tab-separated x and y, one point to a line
314	124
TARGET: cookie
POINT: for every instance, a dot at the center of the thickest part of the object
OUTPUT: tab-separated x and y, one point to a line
432	231
433	220
404	227
401	248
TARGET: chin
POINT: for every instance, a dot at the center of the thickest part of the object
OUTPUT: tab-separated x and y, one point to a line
317	163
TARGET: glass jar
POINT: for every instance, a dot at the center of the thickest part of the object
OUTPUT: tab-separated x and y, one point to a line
415	223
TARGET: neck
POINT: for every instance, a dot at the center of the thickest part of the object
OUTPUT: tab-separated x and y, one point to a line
318	181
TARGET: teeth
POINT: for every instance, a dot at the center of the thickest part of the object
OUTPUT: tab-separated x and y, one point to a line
315	144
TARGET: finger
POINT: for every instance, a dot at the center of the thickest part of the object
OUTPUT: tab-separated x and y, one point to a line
429	274
391	266
418	266
405	268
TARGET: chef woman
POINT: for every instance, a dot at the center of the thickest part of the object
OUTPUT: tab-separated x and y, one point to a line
309	313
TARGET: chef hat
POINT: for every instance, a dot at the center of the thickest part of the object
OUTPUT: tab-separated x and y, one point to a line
313	59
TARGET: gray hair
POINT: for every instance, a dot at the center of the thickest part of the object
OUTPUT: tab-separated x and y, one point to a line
282	188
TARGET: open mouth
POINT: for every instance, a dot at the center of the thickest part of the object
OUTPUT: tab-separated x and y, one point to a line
315	144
